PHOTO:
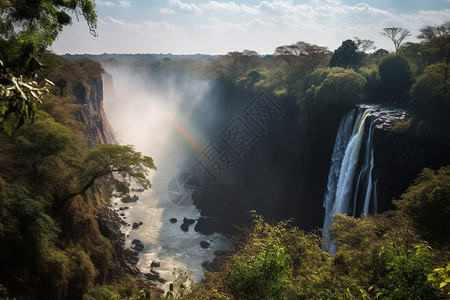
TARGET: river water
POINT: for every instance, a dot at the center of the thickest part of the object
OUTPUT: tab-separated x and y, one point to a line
158	124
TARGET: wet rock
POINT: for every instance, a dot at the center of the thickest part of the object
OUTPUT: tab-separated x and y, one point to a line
109	224
135	225
206	226
122	214
140	223
184	227
204	244
138	246
188	221
139	190
173	220
134	198
155	264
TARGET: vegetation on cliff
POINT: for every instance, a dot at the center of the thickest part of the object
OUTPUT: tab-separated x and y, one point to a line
384	256
52	186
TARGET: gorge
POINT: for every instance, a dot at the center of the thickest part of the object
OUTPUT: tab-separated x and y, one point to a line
182	119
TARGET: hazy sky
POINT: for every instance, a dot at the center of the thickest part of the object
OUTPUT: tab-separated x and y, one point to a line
217	27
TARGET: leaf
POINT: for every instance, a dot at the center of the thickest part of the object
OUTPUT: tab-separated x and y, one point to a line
49	82
442	284
7	127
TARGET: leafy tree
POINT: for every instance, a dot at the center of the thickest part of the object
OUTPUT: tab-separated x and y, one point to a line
430	101
364	45
247	57
42	139
346	55
337	86
27	28
380	53
107	159
405	275
308	55
436	40
427	203
395	78
440	279
396	35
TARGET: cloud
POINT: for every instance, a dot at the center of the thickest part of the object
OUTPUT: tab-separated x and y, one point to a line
228	6
142	26
216	25
184	8
106	3
124	3
162	26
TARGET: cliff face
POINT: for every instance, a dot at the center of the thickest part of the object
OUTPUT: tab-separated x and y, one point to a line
89	96
284	173
400	157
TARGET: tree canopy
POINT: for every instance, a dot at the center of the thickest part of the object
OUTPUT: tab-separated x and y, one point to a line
346	55
396	35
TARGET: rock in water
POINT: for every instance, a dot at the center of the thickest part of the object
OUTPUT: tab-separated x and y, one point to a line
188	221
206	226
184	227
135	225
173	220
204	244
155	264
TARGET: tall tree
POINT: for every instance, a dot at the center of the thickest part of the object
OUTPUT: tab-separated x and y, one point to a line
395	78
364	45
396	35
247	56
346	55
303	58
436	40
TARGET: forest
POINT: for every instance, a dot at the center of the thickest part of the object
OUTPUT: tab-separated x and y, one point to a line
60	164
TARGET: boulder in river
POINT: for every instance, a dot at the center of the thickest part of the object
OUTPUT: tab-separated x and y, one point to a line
204	244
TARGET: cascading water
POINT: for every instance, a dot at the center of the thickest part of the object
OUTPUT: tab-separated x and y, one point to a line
351	139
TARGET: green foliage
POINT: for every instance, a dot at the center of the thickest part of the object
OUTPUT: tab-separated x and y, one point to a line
18	99
181	285
430	100
346	55
99	292
106	159
43	138
395	79
405	275
83	272
440	279
336	87
427	204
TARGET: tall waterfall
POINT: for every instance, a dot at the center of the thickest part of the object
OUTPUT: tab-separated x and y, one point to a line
352	140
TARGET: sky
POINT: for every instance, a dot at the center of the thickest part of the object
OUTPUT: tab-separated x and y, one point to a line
218	27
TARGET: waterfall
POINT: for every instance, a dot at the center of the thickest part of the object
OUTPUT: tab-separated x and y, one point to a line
351	140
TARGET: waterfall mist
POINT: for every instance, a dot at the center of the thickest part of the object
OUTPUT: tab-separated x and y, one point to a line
157	109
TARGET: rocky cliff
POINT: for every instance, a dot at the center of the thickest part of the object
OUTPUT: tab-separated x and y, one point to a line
89	96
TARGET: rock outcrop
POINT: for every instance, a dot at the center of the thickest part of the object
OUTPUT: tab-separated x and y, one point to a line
89	96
